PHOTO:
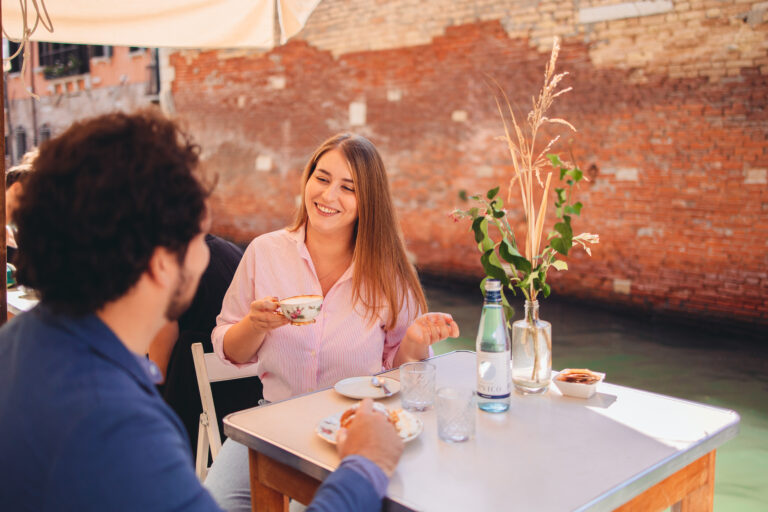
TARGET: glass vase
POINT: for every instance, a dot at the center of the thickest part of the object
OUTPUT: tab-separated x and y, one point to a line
531	351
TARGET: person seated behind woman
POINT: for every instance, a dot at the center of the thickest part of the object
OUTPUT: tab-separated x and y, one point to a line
171	348
14	184
345	244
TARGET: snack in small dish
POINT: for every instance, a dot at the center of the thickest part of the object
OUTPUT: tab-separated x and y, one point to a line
407	425
578	382
579	375
349	414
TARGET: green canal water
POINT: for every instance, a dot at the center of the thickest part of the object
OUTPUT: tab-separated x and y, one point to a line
697	363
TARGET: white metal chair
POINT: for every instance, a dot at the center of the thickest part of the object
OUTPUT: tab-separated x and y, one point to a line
210	368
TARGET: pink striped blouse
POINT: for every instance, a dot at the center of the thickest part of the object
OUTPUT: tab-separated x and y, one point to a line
298	359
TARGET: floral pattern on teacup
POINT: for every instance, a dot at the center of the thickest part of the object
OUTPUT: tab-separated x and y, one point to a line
304	314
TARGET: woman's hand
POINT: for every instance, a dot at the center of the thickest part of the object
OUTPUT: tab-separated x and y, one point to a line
243	340
423	332
264	316
431	328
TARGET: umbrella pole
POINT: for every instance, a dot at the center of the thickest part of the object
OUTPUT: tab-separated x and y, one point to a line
276	32
3	251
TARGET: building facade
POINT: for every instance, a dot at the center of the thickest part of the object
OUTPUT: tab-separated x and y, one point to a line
73	82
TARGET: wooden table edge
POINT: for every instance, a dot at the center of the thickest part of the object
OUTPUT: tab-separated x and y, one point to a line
690	489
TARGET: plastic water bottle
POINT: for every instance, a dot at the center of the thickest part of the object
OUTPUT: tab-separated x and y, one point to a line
493	353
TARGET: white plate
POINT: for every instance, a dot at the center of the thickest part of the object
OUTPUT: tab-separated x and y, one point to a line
361	387
328	427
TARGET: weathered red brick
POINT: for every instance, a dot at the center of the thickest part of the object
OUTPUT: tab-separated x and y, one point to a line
690	140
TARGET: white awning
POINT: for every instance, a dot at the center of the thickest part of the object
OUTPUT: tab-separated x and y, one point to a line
164	23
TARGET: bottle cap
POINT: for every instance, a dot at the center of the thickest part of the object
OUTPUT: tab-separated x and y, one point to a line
493	285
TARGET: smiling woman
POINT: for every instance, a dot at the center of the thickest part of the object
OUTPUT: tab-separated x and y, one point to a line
348	212
345	244
331	206
329	197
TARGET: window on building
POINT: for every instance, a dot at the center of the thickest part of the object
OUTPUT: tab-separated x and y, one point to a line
60	60
101	51
21	142
45	133
153	75
17	61
136	49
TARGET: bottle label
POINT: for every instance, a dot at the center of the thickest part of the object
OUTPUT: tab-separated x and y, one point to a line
493	374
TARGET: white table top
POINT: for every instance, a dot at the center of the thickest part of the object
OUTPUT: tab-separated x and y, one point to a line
20	300
548	453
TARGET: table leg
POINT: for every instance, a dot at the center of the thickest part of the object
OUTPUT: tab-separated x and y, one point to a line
703	497
272	483
263	498
691	489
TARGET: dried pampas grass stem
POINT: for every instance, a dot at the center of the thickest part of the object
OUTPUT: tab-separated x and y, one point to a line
527	161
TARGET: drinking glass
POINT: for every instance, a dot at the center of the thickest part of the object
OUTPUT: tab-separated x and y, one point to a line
456	409
417	386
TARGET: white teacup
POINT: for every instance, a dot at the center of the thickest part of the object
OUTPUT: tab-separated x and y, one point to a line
301	309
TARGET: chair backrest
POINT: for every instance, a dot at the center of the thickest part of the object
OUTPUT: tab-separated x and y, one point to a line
210	368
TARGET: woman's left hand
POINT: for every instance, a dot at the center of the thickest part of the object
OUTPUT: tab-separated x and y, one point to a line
430	328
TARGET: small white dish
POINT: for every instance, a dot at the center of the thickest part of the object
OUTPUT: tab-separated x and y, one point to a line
577	389
361	387
329	425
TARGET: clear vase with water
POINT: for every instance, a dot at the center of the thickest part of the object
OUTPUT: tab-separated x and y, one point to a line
531	351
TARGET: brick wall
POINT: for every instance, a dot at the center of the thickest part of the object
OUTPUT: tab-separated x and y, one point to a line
670	100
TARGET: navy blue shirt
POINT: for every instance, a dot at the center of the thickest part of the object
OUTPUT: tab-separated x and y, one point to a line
82	427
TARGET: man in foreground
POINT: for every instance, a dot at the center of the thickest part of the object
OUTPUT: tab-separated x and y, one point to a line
112	228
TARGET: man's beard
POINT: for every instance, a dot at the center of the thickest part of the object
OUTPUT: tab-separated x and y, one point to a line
179	302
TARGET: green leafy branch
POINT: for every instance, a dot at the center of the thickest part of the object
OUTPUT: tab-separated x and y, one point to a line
500	255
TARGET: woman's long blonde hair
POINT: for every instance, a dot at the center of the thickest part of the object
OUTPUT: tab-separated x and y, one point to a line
383	276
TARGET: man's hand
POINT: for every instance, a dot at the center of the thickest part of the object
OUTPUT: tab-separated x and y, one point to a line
371	435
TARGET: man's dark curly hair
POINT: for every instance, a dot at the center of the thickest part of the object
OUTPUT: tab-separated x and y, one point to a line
101	198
